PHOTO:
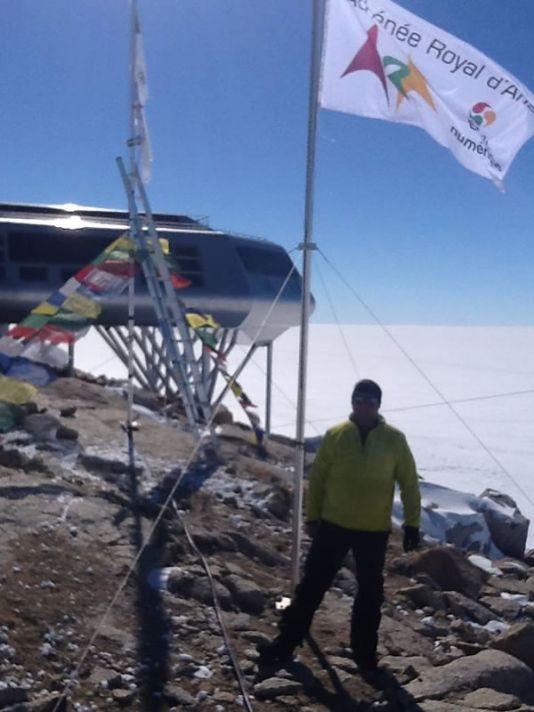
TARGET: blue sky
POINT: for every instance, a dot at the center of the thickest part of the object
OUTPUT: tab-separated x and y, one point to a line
421	239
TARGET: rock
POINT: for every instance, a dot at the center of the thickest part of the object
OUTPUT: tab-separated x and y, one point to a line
254	550
176	695
517	641
109	679
148	399
201	591
489	668
405	667
246	595
47	703
69	412
346	581
462	606
224	696
345	664
508	530
438	706
422	595
43	426
469	634
512	567
501	607
13	459
528	558
278	502
180	582
486	698
275	687
211	542
123	697
450	569
64	433
223	416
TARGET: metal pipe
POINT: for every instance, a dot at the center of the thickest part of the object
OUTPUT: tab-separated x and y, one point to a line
307	246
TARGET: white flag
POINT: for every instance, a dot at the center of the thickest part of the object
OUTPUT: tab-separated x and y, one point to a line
384	62
141	138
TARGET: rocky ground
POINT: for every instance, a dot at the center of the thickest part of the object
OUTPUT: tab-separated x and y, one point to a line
88	624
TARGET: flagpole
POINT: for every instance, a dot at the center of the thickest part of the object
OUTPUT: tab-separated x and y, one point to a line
131	280
307	246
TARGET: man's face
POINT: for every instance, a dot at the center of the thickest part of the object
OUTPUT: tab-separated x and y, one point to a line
365	409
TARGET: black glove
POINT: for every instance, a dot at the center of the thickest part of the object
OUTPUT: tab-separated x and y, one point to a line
411	538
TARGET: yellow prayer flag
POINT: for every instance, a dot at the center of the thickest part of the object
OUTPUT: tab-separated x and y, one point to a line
16	392
45	309
78	304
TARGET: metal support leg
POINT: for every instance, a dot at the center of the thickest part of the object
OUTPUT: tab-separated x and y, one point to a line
268	387
70	367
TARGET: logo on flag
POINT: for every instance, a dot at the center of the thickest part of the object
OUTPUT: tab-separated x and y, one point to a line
405	77
481	115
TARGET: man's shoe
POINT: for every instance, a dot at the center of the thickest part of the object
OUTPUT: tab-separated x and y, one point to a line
274	655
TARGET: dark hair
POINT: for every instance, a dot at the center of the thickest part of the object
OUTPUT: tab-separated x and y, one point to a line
366	387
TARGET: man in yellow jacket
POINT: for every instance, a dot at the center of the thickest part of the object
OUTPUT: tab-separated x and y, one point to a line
350	498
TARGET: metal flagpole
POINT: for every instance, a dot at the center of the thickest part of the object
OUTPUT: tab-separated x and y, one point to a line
307	246
131	280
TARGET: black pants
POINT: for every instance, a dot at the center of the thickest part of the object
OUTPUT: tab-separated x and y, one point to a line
329	547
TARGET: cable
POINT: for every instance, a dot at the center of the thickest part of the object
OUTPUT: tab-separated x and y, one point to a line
282	392
237	670
490	454
340	328
402	409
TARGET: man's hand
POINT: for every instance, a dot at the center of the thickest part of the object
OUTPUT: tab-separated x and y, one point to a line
311	528
411	538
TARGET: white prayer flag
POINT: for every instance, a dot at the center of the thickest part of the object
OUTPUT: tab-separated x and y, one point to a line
139	66
140	85
384	62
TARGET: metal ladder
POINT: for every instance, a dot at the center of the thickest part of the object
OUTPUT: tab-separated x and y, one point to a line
175	331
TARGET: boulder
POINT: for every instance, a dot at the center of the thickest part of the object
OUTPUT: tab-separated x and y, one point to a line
460	605
486	698
518	641
275	687
439	706
278	502
43	426
422	595
493	669
176	695
450	569
246	595
502	608
202	592
223	416
508	527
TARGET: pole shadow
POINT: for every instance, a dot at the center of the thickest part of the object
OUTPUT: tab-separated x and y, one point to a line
152	622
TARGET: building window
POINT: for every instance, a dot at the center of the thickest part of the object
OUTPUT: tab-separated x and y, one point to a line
271	263
51	248
33	274
188	263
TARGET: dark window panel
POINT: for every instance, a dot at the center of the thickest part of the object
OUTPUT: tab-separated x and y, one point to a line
33	273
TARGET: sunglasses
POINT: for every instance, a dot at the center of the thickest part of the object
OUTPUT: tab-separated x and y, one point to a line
369	400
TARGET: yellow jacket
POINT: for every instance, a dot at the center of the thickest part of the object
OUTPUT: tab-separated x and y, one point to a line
353	485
